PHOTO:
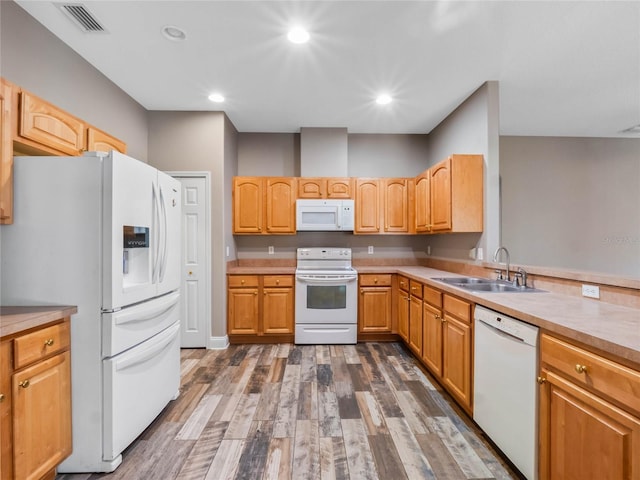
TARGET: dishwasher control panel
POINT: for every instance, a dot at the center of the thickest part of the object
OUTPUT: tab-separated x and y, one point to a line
508	325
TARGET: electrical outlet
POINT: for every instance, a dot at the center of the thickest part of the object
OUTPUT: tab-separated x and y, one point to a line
479	253
370	249
591	291
227	250
472	254
428	249
270	249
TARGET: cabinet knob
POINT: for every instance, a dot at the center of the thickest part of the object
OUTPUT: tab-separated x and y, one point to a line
361	291
581	368
256	293
375	280
241	282
277	282
1	397
48	342
541	380
24	383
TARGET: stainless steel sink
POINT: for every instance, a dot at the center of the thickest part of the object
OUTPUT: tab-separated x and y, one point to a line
479	285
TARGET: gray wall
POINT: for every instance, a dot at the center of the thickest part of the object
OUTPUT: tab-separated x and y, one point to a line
201	141
473	127
33	58
268	154
387	155
572	202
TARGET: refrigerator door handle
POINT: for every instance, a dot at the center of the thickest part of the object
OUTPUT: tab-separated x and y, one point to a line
163	260
152	349
156	236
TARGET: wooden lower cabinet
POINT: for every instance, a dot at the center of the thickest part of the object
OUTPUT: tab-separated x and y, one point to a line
589	415
35	410
260	305
403	308
374	304
456	359
415	318
432	328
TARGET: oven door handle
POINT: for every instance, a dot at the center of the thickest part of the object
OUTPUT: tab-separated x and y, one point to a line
326	279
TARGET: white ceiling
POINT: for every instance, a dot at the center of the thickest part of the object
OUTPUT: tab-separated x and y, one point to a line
564	68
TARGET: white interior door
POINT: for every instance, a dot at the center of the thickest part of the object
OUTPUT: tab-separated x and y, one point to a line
196	303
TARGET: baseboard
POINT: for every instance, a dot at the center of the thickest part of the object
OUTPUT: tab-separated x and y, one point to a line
218	343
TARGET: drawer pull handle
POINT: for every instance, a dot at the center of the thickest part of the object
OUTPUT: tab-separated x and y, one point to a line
581	368
24	383
48	342
541	380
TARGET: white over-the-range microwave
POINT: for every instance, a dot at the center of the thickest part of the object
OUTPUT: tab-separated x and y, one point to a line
324	215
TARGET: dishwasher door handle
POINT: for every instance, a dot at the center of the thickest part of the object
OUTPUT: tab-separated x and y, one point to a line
501	332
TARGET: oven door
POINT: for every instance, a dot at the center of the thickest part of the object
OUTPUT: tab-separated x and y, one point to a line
326	298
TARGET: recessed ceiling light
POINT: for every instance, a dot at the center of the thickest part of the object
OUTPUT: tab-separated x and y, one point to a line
298	35
174	33
216	97
383	99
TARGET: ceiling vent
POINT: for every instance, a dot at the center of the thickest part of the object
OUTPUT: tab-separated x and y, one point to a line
82	17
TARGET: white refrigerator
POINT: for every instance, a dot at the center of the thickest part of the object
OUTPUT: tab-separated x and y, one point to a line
102	232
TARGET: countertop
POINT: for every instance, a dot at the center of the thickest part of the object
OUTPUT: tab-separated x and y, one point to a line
610	328
15	320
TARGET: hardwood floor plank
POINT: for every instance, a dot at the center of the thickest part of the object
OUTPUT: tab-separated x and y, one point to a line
242	417
199	460
324	375
386	399
254	454
329	415
283	350
187	365
358	377
295	355
323	354
238	355
226	462
286	415
279	459
371	413
336	350
277	370
180	409
416	418
308	401
359	456
415	463
440	459
333	459
257	380
308	372
339	369
267	355
351	354
198	420
369	364
465	456
221	383
424	398
347	403
386	457
269	400
243	374
306	451
226	408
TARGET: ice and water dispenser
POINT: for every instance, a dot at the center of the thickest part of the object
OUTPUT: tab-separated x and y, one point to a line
136	255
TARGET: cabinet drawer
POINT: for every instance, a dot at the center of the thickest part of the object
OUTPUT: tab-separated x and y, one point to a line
243	281
589	369
32	347
278	280
433	296
415	288
375	280
403	283
458	308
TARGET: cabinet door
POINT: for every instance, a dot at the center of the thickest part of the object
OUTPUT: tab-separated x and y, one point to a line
248	201
432	328
423	203
312	187
403	315
280	204
456	364
42	416
6	155
339	188
583	436
277	310
242	311
6	459
50	127
396	205
441	196
375	309
415	325
97	140
367	206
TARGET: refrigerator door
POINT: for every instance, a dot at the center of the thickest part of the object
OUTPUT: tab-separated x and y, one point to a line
131	231
169	252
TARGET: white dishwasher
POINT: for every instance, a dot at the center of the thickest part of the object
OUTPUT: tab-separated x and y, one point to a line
505	389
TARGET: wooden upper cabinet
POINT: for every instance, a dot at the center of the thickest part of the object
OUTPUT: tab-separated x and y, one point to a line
45	126
456	192
423	202
97	140
441	196
396	204
325	187
264	205
280	204
248	201
6	154
367	205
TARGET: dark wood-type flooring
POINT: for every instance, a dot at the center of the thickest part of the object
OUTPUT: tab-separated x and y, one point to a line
361	411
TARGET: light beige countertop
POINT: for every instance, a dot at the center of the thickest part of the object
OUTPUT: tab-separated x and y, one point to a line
610	328
15	320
